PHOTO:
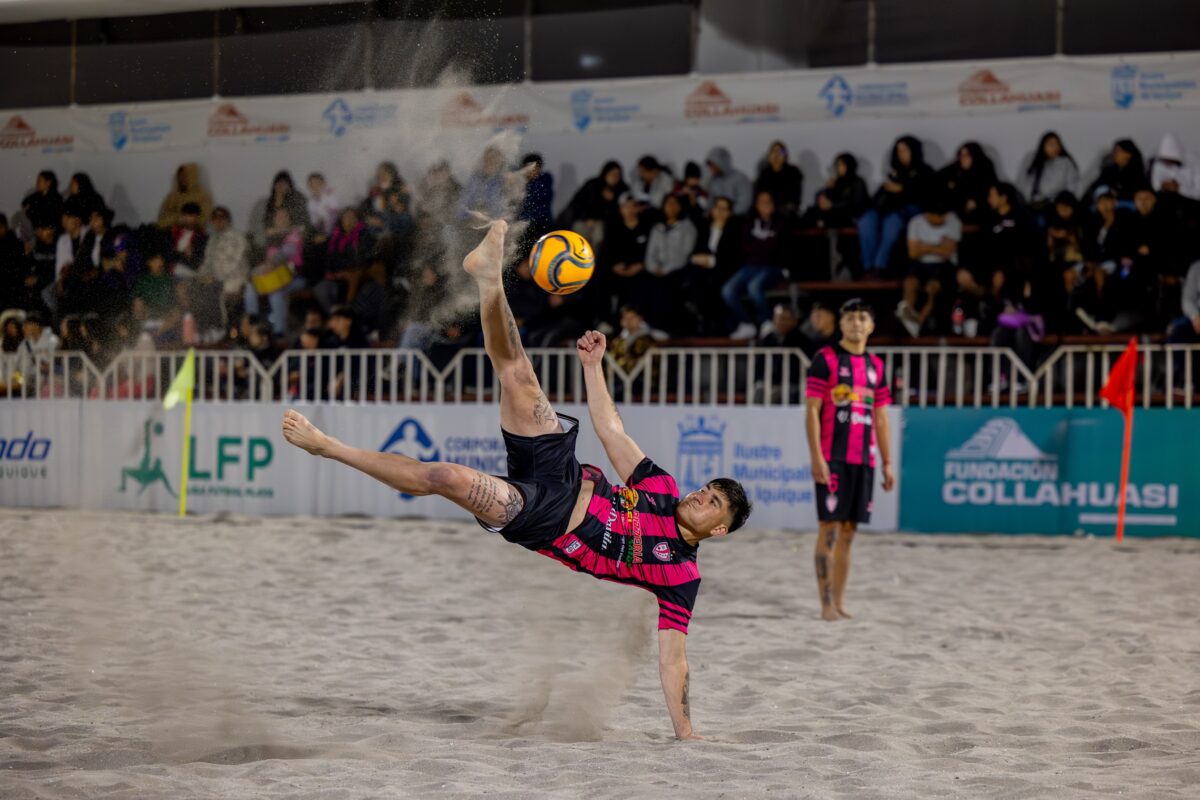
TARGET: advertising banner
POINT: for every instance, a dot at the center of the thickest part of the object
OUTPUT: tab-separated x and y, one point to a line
1047	471
39	454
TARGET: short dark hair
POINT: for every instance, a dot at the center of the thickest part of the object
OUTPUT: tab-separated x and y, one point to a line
856	304
630	308
342	310
533	158
649	162
739	504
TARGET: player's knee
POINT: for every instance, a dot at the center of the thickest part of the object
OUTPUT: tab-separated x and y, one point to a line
846	532
439	478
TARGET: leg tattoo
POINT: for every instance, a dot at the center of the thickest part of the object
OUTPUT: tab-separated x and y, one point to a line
512	505
542	413
687	710
492	498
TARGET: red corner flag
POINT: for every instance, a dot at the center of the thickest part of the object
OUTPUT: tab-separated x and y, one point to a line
1118	391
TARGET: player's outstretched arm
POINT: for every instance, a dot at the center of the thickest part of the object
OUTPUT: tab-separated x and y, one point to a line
673	670
622	450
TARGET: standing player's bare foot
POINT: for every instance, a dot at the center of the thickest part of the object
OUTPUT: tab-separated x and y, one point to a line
843	613
829	615
484	263
302	433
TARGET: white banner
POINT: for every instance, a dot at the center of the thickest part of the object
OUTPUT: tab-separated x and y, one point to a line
128	455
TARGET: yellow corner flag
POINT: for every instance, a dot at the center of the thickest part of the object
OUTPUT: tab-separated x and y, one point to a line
181	389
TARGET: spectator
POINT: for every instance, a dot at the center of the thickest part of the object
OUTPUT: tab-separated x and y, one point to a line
226	264
967	180
1011	245
82	196
112	292
393	240
717	256
65	254
44	206
425	296
537	207
38	338
323	206
276	277
1064	251
668	251
692	187
1112	295
98	236
350	247
782	180
653	183
154	292
764	254
41	267
302	367
634	341
595	204
898	200
1186	329
188	242
12	265
1124	172
1052	172
843	199
622	261
186	188
1174	170
725	181
387	177
285	196
10	331
1153	238
346	336
933	237
785	329
439	192
820	329
487	188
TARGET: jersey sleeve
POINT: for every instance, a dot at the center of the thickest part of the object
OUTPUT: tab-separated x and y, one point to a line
650	477
818	384
883	392
675	605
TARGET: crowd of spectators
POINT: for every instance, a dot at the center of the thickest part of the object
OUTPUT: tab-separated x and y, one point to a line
711	252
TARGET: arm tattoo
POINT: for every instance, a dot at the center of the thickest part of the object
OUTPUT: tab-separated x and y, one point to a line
687	710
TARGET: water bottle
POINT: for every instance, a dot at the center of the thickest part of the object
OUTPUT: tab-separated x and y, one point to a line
189	329
957	316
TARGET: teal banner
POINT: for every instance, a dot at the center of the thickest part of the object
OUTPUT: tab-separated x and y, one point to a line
1048	471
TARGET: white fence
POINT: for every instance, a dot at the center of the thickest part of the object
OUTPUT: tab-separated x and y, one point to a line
946	376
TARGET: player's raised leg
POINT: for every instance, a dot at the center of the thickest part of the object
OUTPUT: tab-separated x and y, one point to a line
825	562
489	498
841	565
524	408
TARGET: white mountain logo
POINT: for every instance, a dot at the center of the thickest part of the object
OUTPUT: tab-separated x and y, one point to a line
1001	439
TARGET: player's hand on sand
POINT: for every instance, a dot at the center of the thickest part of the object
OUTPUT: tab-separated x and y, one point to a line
820	470
889	478
591	348
302	433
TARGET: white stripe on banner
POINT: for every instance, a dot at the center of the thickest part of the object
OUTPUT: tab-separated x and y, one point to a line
1163	520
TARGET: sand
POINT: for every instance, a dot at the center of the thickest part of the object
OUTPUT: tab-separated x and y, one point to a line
239	657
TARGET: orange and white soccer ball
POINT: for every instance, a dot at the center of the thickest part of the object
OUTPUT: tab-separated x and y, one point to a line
562	262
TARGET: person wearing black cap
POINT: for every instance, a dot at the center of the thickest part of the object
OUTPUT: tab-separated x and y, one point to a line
847	393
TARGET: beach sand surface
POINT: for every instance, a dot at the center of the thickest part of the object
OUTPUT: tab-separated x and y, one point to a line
243	657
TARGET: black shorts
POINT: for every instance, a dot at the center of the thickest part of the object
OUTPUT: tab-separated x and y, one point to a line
544	469
847	496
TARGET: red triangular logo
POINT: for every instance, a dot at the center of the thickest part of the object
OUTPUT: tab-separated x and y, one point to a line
228	113
17	125
464	102
983	81
708	92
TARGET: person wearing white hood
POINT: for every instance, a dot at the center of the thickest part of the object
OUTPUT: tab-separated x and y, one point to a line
726	181
1175	170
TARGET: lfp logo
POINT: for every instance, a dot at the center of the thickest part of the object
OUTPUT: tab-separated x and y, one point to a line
701	455
412	440
1124	85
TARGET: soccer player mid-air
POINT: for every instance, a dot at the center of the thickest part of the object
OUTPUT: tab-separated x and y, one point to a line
847	397
642	533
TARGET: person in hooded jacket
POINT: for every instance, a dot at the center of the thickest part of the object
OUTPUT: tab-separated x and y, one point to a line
1124	173
842	200
726	181
966	181
82	196
185	188
44	206
907	185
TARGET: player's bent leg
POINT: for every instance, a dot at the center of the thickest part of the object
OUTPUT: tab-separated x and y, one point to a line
824	561
841	566
493	500
524	408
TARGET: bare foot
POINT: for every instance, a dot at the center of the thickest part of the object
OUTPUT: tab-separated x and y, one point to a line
302	433
843	613
485	262
829	615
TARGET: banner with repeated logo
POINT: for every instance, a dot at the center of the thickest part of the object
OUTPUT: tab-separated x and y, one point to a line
39	453
1048	471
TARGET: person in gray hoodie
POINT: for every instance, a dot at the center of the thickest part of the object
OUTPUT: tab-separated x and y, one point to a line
1186	329
726	181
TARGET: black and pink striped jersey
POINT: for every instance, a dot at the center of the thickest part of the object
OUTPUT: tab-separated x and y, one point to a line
629	536
850	387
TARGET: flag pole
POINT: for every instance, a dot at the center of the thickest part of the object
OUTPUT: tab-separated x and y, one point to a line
1125	448
187	445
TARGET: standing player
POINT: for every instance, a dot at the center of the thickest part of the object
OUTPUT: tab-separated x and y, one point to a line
847	398
641	534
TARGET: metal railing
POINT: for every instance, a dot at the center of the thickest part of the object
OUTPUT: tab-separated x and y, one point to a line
944	376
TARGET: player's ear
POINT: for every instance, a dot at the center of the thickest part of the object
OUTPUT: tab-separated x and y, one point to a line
720	530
